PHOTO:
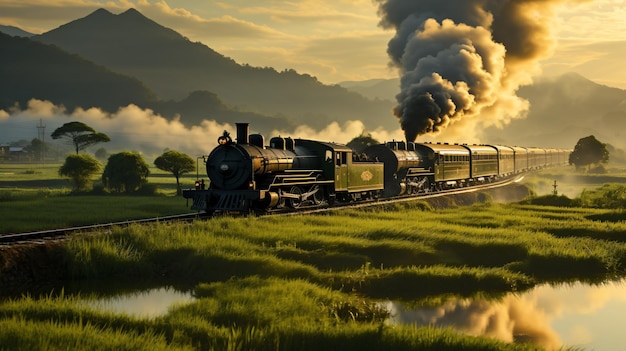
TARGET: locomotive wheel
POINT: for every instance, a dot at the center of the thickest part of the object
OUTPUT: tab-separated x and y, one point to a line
426	186
295	203
415	189
318	197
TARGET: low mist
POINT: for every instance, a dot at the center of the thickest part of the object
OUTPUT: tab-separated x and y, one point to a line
134	129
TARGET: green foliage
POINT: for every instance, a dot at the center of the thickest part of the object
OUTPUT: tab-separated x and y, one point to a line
177	163
589	151
80	169
607	196
360	143
552	200
125	171
80	135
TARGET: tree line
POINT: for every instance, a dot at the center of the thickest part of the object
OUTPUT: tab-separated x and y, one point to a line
124	172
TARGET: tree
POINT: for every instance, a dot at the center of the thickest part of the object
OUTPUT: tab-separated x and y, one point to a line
125	171
177	163
101	154
80	135
38	148
361	142
80	168
589	151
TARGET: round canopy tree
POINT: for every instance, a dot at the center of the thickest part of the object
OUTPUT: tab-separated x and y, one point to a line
589	151
80	135
80	168
176	163
125	171
361	143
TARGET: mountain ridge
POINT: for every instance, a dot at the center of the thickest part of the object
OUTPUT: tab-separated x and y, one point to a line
173	66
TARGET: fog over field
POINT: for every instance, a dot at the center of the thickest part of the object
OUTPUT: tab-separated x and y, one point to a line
135	129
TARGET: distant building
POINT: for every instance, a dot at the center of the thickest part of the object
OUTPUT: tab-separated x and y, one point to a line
14	154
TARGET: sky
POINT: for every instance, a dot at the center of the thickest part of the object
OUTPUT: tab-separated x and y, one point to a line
333	40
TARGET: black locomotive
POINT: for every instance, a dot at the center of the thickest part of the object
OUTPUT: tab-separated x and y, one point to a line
248	176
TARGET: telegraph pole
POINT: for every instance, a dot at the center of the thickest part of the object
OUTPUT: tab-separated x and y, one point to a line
41	132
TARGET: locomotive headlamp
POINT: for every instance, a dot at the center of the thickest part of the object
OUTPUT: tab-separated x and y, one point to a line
224	167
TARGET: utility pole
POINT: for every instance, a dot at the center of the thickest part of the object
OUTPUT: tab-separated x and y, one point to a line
41	132
554	192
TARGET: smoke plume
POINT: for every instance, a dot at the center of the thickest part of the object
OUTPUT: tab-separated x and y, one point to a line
459	59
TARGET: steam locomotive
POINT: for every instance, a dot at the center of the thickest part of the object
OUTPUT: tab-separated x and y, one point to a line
247	176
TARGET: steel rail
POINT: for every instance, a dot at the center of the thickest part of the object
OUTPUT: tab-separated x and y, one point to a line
61	232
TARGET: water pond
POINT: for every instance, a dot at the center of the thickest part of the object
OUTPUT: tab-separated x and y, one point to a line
587	316
145	304
591	317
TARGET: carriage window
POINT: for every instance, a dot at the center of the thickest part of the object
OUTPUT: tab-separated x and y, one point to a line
338	159
329	156
344	158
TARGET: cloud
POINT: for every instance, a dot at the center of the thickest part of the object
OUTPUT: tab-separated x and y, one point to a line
340	133
130	128
134	129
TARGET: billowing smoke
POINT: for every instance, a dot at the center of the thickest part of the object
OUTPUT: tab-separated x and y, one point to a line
459	59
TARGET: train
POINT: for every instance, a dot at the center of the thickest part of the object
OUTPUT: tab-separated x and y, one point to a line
246	175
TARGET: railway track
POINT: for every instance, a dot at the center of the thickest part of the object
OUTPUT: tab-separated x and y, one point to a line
57	234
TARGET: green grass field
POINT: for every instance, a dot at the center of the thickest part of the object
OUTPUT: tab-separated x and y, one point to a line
308	281
34	197
302	282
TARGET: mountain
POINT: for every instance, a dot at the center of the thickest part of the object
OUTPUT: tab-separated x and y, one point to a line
173	66
30	69
564	109
382	89
14	31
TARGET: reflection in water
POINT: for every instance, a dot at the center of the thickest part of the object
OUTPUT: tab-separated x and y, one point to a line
149	303
548	316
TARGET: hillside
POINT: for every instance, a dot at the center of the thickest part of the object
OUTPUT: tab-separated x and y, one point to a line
14	31
30	69
173	66
565	109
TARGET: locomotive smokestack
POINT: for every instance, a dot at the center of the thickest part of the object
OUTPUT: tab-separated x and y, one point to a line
242	133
